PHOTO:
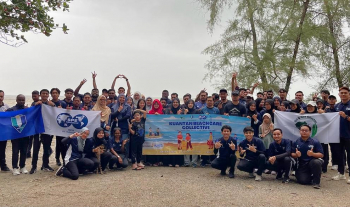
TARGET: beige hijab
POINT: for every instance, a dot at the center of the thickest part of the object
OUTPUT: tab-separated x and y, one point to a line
105	110
265	127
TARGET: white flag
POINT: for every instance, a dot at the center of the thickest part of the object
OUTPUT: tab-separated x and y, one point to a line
63	122
325	127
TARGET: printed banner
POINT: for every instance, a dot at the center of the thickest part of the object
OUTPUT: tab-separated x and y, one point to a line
325	127
21	123
193	134
63	122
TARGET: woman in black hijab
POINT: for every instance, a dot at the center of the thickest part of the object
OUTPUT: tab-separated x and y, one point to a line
254	117
268	109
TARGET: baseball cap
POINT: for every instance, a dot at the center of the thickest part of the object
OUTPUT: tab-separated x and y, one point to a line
235	93
223	90
312	103
332	96
282	90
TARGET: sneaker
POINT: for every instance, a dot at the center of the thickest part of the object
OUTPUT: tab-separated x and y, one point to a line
334	167
15	171
258	178
59	172
251	175
293	173
5	169
58	162
255	170
33	170
273	173
194	165
317	186
279	176
47	168
24	170
202	165
339	177
186	165
223	172
285	180
231	175
267	172
348	182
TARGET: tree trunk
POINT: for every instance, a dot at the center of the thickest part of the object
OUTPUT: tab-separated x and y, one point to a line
296	46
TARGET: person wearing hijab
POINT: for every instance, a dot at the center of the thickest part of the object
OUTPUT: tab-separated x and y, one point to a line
295	106
137	97
92	146
277	102
284	106
105	111
259	102
148	104
254	117
268	109
174	160
75	161
157	107
266	130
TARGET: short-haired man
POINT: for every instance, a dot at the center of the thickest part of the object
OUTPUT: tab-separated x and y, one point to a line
209	108
269	94
3	144
282	94
165	95
279	156
68	93
309	152
226	146
260	95
235	108
223	101
299	95
173	96
253	149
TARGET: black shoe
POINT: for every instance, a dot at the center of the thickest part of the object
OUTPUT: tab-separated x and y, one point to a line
58	162
285	180
47	168
231	175
33	170
60	171
317	186
279	176
5	169
223	172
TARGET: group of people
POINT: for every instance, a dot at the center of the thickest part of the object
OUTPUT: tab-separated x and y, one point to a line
120	137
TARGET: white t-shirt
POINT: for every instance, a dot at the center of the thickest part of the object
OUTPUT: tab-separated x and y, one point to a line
4	108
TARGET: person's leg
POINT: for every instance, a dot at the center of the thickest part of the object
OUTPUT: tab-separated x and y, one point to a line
303	174
287	166
220	164
85	164
232	163
46	140
36	149
334	151
71	170
325	157
341	156
139	152
347	148
23	146
315	167
125	161
246	166
15	151
194	160
127	144
133	151
3	154
96	163
112	161
30	144
205	159
105	157
261	164
187	160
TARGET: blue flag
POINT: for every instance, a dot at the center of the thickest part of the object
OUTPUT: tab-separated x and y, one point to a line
21	123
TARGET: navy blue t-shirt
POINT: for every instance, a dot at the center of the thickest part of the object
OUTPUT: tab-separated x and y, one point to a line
139	129
235	110
258	144
277	149
225	150
60	103
116	146
344	124
304	146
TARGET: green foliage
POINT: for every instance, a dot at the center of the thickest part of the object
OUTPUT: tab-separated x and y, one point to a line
20	16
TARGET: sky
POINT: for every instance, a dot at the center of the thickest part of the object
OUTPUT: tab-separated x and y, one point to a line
156	44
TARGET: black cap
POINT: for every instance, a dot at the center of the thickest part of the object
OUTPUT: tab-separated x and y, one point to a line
294	101
223	90
332	96
282	90
235	93
325	91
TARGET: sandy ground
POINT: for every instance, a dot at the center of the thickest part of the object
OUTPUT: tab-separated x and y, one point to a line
164	186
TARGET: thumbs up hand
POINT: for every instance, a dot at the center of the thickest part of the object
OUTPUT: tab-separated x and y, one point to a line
297	152
310	152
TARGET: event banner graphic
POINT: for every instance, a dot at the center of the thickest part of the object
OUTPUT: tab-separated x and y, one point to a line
193	134
64	122
21	123
325	127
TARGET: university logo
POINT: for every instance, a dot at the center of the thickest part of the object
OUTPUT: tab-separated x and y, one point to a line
19	122
308	120
66	120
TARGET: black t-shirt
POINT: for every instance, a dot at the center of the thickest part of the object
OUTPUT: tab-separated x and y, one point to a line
235	110
222	110
139	129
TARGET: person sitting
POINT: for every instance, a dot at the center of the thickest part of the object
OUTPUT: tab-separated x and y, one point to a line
309	152
117	148
279	156
253	149
226	146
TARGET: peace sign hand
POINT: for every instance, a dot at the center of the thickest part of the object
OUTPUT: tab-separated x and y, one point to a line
94	74
83	81
251	148
218	145
241	150
232	146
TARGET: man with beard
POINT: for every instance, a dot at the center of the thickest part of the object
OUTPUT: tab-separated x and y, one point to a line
223	101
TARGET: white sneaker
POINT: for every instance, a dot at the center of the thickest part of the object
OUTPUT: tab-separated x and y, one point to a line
24	170
258	178
334	167
251	175
255	170
339	177
273	173
293	173
348	182
15	171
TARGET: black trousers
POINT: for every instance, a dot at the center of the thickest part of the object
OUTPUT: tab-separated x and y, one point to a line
309	172
335	154
30	145
249	165
46	140
105	158
282	165
76	167
325	157
344	146
222	163
19	146
3	145
173	160
115	160
136	151
60	148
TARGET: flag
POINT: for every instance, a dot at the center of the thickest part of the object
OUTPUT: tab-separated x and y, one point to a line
324	127
21	123
64	122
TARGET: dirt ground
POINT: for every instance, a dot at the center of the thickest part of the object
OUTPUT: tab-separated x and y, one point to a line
164	186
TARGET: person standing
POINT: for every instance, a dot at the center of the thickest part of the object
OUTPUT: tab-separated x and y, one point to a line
235	108
3	144
223	101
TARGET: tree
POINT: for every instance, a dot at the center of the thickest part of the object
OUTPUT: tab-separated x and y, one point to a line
20	16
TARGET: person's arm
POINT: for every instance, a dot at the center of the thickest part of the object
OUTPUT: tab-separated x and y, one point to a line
76	92
254	86
286	154
318	151
234	82
94	80
113	83
128	92
131	129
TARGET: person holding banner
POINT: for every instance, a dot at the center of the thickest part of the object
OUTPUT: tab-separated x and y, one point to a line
279	156
309	153
3	144
19	145
226	146
253	149
75	161
190	109
295	106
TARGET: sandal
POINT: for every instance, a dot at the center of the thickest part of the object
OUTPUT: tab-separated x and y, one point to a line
141	166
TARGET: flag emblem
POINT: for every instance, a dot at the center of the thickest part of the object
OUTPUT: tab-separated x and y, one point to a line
19	122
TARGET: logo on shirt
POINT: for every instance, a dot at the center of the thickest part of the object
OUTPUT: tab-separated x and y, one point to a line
306	120
66	120
19	122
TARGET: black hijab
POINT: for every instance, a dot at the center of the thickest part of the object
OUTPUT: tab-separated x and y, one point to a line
258	101
250	112
190	110
172	109
298	109
98	141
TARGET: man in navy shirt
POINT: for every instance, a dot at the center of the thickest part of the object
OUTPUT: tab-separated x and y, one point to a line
209	108
344	111
279	156
299	95
235	108
309	152
226	146
253	149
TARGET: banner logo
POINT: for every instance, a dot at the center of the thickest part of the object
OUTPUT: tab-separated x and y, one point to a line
19	122
307	120
66	120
